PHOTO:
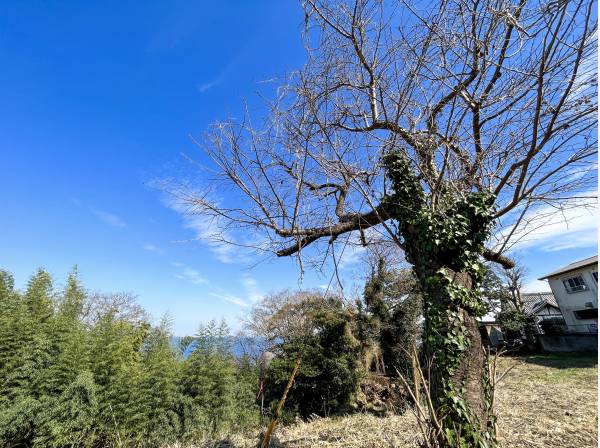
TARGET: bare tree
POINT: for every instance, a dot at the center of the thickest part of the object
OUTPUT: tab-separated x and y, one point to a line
284	316
426	126
502	287
513	278
122	306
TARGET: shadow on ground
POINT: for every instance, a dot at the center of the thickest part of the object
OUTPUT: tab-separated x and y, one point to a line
564	360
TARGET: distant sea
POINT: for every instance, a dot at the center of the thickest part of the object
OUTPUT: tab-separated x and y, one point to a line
239	345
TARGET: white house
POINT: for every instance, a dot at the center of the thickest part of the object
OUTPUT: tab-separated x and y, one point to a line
575	289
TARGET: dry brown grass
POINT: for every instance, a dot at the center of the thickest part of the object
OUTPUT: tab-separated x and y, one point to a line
364	431
549	401
545	401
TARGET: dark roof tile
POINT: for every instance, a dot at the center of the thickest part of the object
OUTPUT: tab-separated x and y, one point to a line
535	300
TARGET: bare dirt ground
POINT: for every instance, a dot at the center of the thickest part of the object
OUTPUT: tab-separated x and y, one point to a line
545	401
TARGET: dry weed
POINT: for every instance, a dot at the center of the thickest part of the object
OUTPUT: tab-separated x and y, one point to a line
545	401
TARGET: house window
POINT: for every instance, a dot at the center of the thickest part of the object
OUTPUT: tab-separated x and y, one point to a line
590	313
595	275
574	284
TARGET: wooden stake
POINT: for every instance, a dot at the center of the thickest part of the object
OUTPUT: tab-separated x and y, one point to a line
267	439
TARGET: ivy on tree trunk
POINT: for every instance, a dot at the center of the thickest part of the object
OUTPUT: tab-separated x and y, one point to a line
444	245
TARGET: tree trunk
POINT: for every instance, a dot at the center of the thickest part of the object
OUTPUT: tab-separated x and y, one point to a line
444	244
459	384
471	371
267	438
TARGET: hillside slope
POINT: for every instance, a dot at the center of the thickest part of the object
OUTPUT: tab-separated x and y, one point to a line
545	401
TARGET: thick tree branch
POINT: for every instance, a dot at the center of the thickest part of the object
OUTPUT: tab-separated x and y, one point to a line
351	223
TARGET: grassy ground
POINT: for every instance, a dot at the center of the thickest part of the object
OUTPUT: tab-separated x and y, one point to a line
549	401
545	401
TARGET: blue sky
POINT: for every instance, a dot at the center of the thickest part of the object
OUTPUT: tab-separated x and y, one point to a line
99	99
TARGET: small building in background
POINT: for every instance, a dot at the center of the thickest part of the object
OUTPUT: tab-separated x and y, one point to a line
544	307
492	334
541	304
575	288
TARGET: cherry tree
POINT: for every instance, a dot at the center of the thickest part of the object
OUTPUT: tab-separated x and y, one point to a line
441	127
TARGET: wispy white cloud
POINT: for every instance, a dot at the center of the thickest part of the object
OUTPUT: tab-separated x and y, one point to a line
353	253
209	233
551	229
586	78
189	274
219	78
108	218
230	298
350	250
210	84
193	276
253	291
572	229
578	172
536	286
152	248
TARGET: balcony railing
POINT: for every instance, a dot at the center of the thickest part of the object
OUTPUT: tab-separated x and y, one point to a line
583	328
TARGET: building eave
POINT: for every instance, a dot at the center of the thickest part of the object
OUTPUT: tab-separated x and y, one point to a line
575	266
